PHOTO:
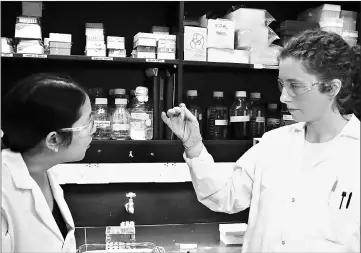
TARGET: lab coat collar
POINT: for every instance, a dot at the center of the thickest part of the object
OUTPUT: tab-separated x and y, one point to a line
23	180
351	129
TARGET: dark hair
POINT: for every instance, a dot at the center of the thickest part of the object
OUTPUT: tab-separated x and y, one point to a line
38	105
328	56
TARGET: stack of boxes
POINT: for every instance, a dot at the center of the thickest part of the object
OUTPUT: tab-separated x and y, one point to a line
349	33
166	43
59	44
144	45
119	237
28	31
95	43
116	47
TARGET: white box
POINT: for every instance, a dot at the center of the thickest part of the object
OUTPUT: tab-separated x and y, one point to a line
94	32
232	234
95	38
220	33
146	42
195	43
117	53
145	55
95	44
32	9
144	35
168	37
267	56
114	39
27	31
227	55
96	52
115	45
166	56
60	37
332	25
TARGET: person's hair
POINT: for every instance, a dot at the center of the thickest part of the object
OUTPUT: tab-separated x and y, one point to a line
38	105
328	56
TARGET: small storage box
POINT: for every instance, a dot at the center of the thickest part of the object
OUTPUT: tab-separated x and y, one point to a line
332	25
232	234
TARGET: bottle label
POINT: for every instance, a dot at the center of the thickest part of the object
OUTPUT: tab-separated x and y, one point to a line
137	131
121	101
139	116
148	122
120	127
260	119
273	121
287	117
102	123
219	122
239	118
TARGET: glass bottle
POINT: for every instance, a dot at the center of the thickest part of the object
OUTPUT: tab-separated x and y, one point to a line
120	120
101	119
257	117
194	108
273	117
240	116
217	118
286	117
141	116
95	93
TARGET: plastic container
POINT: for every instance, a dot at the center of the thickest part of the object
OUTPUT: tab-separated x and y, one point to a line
193	106
232	234
257	117
273	117
332	25
120	120
217	118
350	37
240	116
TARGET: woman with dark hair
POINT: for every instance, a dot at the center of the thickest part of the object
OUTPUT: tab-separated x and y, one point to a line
302	181
46	120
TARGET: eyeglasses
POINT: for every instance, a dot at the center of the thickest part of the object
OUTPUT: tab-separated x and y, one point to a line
296	89
89	126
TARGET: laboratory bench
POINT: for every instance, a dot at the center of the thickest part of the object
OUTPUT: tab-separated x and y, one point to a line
205	235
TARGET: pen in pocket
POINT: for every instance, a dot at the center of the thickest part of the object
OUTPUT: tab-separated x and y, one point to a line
349	200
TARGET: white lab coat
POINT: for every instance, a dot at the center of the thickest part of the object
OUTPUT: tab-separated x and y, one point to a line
292	209
27	219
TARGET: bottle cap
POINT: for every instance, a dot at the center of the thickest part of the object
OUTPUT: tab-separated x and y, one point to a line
242	94
192	93
142	91
255	95
121	101
218	94
119	91
101	101
272	106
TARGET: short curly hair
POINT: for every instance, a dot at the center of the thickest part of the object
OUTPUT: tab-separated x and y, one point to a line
328	56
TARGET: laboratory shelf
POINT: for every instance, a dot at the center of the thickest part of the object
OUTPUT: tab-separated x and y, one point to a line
227	65
93	58
158	151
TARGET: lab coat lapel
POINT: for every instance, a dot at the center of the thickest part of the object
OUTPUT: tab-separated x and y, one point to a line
59	198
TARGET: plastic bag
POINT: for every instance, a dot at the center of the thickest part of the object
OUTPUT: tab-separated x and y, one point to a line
272	36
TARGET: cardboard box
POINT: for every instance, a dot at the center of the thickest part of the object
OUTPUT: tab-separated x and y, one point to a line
227	55
55	44
96	52
195	43
28	31
166	56
117	53
60	51
145	55
220	33
146	42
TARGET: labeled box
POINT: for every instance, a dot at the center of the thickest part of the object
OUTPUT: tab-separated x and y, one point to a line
220	33
195	43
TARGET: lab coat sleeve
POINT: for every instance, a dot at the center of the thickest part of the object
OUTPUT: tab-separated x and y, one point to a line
5	236
227	190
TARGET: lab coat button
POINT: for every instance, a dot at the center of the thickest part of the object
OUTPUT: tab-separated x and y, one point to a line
293	199
283	242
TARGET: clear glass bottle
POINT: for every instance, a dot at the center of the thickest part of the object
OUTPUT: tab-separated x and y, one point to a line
101	119
120	120
273	117
217	118
141	116
240	116
257	117
193	106
286	116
